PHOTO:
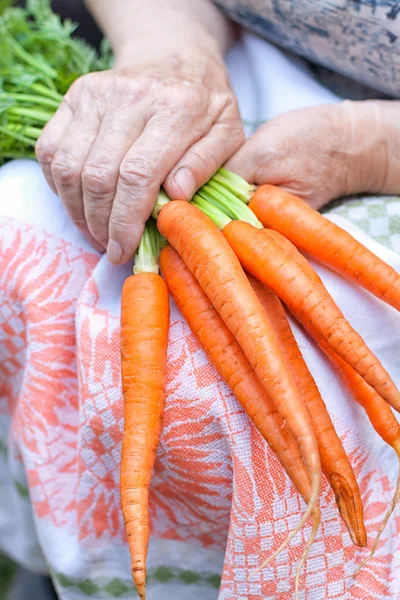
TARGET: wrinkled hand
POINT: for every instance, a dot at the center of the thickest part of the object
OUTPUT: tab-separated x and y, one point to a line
323	153
120	134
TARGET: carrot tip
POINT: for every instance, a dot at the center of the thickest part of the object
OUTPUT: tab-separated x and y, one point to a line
392	506
140	583
351	509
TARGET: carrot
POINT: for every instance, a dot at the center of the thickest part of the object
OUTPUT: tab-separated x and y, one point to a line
210	259
326	242
379	413
335	463
383	421
232	365
144	340
309	302
377	410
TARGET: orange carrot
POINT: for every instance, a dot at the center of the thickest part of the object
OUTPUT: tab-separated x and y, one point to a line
326	242
383	421
335	463
144	340
377	410
215	266
309	302
232	365
379	413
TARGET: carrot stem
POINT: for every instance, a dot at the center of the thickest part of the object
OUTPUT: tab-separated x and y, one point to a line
40	116
43	90
217	216
162	200
32	99
14	155
235	184
10	131
146	260
26	130
222	198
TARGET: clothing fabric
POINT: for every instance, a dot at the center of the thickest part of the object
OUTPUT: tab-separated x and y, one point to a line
220	501
357	38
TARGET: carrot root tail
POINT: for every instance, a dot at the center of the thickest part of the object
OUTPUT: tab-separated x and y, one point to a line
312	507
393	504
316	523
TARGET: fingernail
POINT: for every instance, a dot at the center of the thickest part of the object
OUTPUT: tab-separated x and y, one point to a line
114	252
185	181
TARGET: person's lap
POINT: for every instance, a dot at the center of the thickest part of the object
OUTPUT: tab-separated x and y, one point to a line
56	288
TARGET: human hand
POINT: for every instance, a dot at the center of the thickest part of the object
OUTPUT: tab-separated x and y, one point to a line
326	152
120	134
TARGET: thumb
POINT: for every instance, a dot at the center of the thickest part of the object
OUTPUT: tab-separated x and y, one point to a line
202	160
261	158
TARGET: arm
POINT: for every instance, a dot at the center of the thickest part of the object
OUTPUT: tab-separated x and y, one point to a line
173	23
164	115
327	152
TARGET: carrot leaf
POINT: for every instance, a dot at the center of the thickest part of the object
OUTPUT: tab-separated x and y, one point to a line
40	59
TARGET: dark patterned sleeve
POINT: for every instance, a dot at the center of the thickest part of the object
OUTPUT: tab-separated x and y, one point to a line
358	38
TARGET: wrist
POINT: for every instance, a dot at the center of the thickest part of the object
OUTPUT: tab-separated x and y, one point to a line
156	27
193	44
372	133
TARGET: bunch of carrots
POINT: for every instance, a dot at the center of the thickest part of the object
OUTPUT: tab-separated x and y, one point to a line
231	261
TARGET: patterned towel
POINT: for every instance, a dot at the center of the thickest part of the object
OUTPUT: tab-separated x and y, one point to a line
220	501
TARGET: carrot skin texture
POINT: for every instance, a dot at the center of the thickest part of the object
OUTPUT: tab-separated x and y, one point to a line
144	341
232	365
309	302
210	259
326	242
378	411
334	461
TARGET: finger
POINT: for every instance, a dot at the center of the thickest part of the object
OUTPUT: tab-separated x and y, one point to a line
50	139
68	163
247	161
203	159
101	171
143	169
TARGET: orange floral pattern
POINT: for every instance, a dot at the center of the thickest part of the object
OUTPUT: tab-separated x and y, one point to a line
216	483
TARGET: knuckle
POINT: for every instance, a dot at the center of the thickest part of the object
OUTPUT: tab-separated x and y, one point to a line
64	172
138	87
132	90
206	158
45	150
98	180
136	173
79	221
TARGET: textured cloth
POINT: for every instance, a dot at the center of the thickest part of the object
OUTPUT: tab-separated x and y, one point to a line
359	39
220	501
